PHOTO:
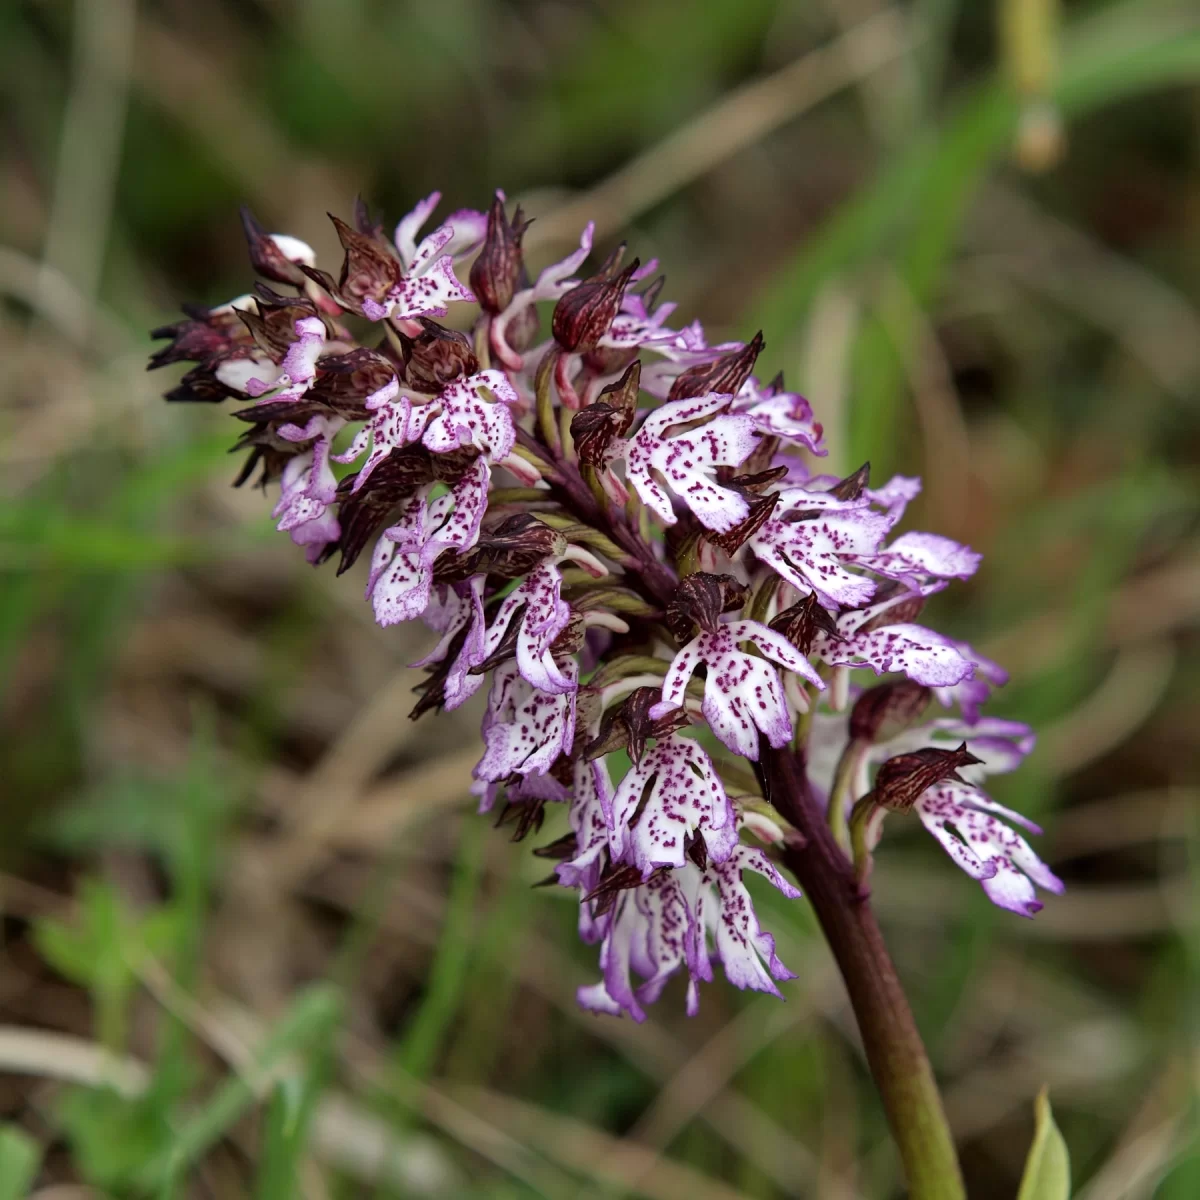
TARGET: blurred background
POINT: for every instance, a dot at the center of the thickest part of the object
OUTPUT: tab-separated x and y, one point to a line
254	943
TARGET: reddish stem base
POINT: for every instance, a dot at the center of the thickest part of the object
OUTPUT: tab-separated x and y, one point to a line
894	1050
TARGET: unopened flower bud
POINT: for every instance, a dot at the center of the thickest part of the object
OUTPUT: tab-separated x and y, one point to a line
271	323
510	550
623	394
882	712
276	255
521	332
596	427
732	540
630	726
583	316
613	881
499	271
364	512
369	271
902	780
593	430
207	336
436	356
725	375
700	599
800	623
346	380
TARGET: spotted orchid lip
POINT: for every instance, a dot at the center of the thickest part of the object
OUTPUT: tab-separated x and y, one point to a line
617	524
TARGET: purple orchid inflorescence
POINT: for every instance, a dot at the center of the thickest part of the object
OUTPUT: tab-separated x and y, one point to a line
623	529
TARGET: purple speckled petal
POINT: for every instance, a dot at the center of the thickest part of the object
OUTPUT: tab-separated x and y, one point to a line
460	684
746	950
451	607
429	293
742	697
666	924
468	228
972	693
656	955
457	514
299	367
688	460
525	729
551	284
913	556
400	578
468	419
784	415
307	490
432	249
395	422
987	849
463	607
850	622
556	278
924	656
459	235
544	615
675	682
645	933
807	498
686	797
679	349
241	374
895	495
984	802
810	554
591	806
1002	745
776	647
742	693
634	327
398	585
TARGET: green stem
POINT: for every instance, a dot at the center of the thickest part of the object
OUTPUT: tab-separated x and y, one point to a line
847	768
894	1050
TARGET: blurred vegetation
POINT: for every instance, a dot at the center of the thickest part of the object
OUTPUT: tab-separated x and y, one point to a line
254	944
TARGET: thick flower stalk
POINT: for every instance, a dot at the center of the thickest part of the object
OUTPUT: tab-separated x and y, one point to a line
628	534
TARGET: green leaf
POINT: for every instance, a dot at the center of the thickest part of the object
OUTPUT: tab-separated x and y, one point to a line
109	941
1048	1167
19	1158
111	1136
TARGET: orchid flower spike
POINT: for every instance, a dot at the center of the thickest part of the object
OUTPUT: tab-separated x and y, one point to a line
615	531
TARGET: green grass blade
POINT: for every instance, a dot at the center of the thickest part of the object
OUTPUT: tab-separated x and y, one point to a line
307	1022
284	1136
419	1047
